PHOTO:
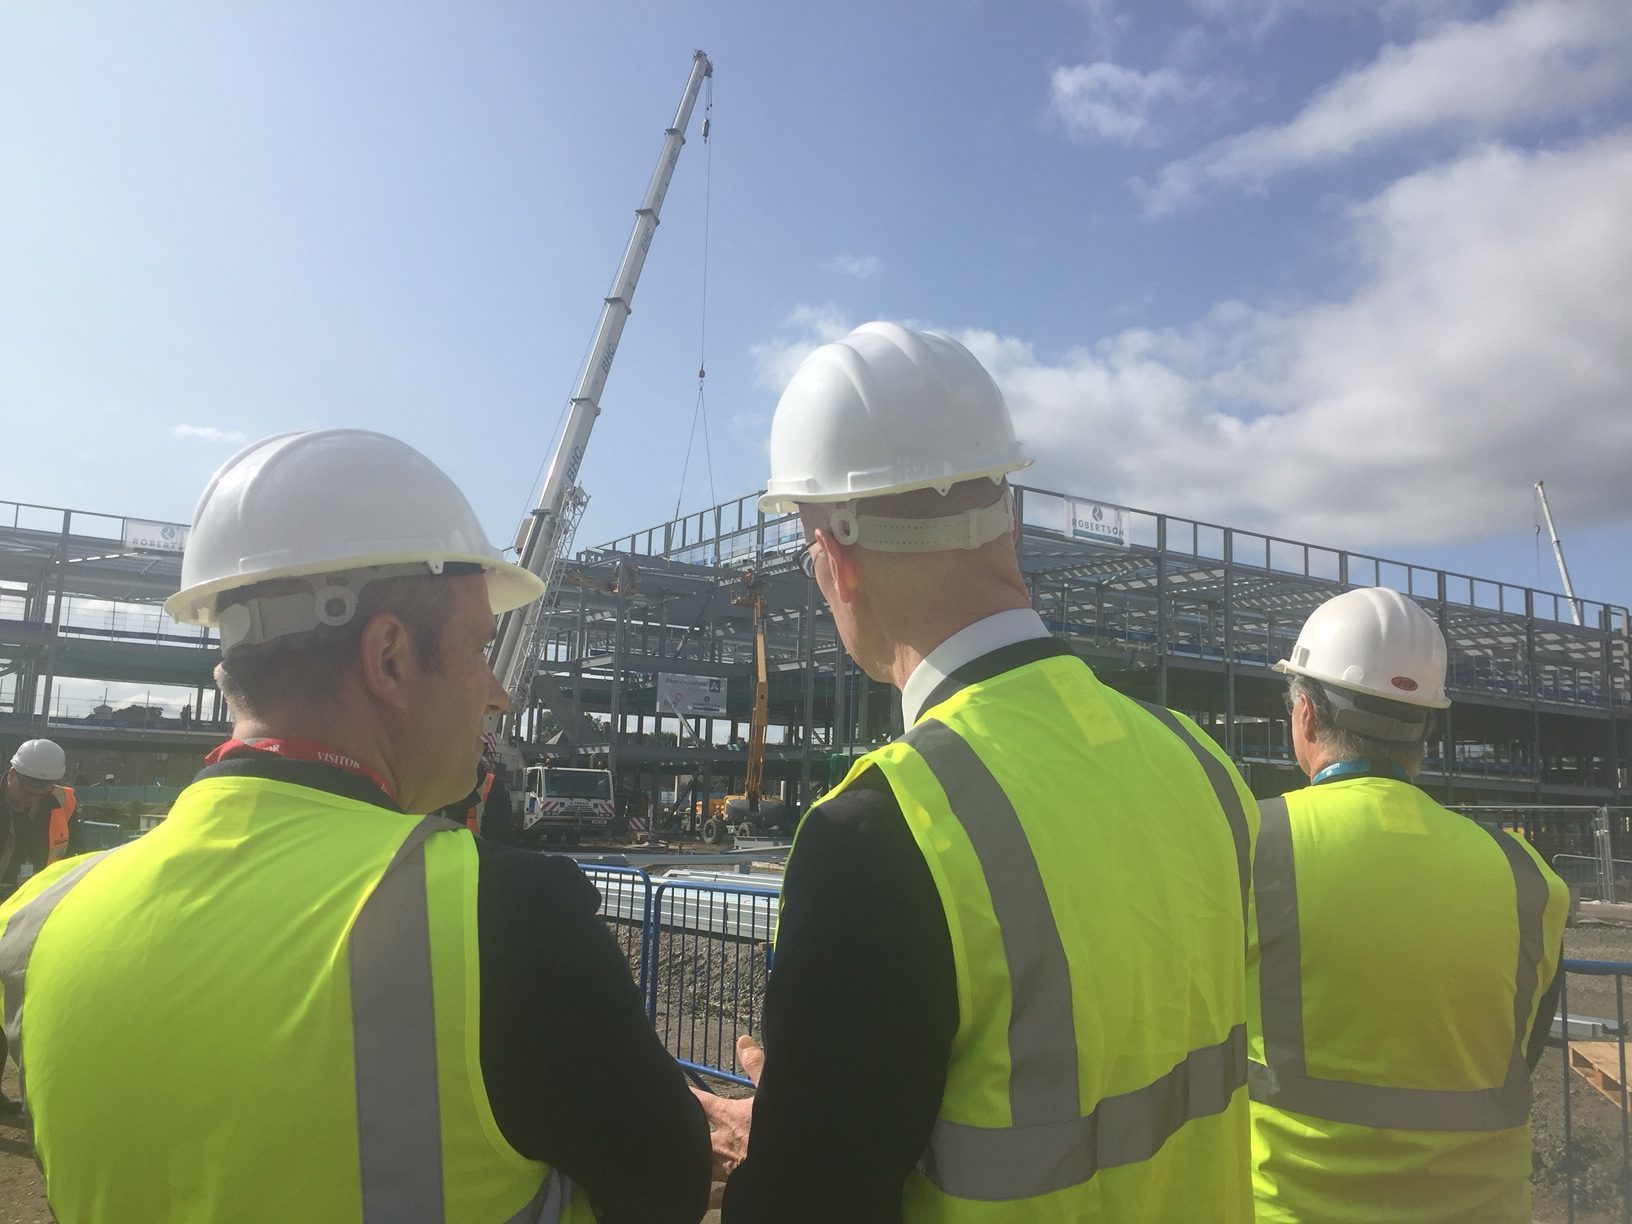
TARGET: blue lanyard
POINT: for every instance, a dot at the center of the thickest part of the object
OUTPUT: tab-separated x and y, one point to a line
1361	768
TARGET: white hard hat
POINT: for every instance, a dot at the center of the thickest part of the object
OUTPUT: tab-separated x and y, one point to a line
329	502
1376	642
40	759
887	410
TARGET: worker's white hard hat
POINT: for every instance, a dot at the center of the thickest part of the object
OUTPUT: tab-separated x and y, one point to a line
343	505
1373	642
40	759
887	410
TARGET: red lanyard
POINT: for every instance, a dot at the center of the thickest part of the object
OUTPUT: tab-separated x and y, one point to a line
300	750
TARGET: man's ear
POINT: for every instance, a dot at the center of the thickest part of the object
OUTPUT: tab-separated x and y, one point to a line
843	564
1303	713
387	660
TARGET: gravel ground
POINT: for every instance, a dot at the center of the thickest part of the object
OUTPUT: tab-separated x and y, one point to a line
22	1189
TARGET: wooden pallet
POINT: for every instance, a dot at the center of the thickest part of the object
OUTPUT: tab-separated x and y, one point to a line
1599	1063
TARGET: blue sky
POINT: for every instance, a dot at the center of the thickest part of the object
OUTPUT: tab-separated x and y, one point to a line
1351	272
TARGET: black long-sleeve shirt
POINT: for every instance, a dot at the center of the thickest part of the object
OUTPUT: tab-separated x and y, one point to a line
25	837
574	1072
860	1013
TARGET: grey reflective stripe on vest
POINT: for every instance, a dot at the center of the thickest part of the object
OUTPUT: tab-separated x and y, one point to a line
1283	1082
393	1023
549	1204
1049	1145
1002	1164
1222	779
17	945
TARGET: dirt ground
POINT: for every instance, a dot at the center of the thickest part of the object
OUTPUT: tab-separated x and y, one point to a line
689	1022
22	1190
1595	1124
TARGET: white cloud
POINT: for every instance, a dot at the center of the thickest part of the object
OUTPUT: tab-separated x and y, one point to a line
1256	18
1107	102
208	433
1106	23
1534	61
805	329
862	267
1487	344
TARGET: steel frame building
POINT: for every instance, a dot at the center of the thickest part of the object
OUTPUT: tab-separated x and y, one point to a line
1170	609
1182	612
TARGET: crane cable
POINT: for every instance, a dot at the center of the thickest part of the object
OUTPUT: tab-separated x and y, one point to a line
700	409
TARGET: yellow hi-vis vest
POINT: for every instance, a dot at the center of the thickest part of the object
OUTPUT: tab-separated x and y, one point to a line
263	1010
1093	866
1404	953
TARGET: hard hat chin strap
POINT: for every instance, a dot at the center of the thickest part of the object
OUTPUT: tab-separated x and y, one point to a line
330	600
964	530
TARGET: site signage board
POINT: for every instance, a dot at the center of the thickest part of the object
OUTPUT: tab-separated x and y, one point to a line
154	537
1096	521
692	696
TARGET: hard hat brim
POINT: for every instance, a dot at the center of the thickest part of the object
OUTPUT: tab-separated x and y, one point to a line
1287	668
509	586
787	500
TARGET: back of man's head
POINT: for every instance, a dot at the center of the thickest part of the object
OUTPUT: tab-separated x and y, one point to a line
1372	665
309	669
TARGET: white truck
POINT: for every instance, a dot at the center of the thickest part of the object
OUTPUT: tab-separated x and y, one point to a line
566	805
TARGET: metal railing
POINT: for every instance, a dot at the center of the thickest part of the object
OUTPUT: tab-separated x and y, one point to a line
709	958
1596	1157
1587	873
700	953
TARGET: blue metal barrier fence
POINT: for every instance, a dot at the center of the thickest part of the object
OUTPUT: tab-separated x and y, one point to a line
708	958
700	952
1593	1048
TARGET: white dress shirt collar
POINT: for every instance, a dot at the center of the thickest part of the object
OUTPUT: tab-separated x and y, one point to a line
965	646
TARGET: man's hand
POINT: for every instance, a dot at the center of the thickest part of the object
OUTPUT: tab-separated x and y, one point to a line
728	1119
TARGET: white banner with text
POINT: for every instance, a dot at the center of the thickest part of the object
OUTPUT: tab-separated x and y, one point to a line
692	696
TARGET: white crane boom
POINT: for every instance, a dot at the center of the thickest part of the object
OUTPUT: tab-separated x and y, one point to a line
1558	554
545	537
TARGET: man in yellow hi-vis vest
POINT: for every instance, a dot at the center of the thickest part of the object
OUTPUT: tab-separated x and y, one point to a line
298	998
1009	978
1406	972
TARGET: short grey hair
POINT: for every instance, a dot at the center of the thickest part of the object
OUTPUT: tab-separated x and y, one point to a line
1346	745
257	678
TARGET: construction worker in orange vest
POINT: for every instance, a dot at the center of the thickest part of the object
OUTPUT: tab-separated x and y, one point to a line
34	812
35	809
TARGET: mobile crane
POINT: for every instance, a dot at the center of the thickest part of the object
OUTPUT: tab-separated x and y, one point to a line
1558	554
544	539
